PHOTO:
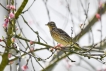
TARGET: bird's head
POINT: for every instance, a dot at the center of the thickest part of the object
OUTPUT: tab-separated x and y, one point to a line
51	25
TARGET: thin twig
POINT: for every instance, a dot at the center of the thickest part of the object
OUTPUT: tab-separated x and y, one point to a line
29	6
4	7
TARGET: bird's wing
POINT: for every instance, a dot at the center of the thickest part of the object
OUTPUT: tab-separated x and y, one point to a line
64	35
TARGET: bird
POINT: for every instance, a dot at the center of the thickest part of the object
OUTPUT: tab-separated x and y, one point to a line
60	35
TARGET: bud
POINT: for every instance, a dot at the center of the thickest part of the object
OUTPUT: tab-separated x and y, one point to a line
11	15
98	16
24	67
12	39
31	42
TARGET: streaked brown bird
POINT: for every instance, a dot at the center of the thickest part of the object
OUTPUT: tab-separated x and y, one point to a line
60	36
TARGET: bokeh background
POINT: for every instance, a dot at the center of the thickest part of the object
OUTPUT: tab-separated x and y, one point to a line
68	15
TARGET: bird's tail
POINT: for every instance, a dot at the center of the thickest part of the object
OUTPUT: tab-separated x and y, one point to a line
75	45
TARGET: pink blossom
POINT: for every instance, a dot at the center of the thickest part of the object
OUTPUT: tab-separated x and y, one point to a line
101	4
11	15
58	46
13	39
5	25
31	49
1	40
8	6
24	67
9	55
31	42
6	20
12	7
98	16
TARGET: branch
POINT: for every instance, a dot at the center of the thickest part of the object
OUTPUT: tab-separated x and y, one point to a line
19	11
91	23
48	46
4	61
